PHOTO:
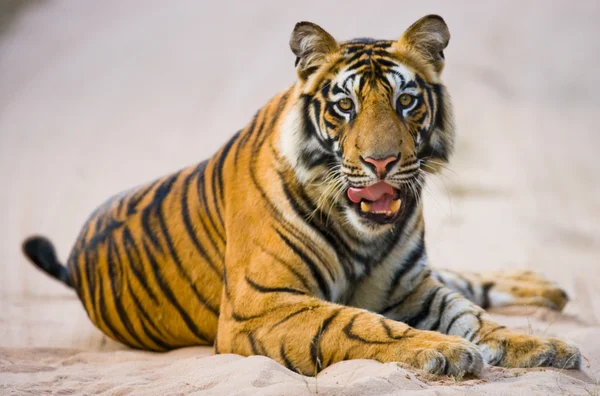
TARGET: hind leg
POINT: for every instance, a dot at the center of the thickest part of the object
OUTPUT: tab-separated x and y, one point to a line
504	288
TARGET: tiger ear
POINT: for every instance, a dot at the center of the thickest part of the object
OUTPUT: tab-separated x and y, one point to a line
429	36
311	45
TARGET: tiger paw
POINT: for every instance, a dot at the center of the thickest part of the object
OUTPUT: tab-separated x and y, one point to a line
440	354
511	349
524	288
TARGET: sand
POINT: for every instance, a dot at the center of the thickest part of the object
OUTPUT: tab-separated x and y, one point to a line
95	98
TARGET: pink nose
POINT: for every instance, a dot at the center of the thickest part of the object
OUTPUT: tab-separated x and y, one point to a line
381	165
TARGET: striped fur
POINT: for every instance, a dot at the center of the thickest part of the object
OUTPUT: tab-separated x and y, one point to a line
259	251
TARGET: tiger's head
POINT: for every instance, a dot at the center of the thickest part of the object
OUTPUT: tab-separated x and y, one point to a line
371	118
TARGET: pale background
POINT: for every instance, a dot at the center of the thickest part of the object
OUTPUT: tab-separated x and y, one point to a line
98	96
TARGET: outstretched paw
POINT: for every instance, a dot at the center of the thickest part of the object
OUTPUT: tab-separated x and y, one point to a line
511	349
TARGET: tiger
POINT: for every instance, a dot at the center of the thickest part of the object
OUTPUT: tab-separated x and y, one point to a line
303	239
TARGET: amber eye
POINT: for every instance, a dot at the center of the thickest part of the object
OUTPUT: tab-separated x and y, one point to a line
345	105
405	100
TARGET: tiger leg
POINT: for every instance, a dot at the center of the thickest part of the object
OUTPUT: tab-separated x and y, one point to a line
505	288
283	317
433	306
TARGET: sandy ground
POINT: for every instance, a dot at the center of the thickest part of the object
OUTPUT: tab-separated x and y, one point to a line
96	97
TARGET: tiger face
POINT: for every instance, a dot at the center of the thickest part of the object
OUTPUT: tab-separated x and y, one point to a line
372	117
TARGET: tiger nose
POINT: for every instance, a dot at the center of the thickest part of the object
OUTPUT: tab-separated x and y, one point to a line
381	166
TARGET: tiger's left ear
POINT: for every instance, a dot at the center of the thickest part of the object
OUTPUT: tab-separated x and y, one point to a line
311	45
429	36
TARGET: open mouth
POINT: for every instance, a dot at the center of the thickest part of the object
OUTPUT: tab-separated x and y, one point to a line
379	202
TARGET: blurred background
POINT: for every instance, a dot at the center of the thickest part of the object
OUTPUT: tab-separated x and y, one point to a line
96	97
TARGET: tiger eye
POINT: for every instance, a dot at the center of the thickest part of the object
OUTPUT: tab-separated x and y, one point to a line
345	104
405	100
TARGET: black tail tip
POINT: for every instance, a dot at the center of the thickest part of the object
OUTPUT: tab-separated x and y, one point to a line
41	252
36	244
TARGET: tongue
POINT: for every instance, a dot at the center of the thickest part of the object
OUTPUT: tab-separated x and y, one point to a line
372	193
382	205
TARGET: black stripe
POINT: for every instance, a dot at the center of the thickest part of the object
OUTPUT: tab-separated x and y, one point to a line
323	286
286	361
455	318
138	197
398	303
485	294
147	319
218	167
388	330
483	337
179	265
287	265
265	289
290	316
104	315
115	274
435	326
423	313
185	214
171	297
411	261
135	260
150	212
316	354
90	275
203	198
353	336
252	344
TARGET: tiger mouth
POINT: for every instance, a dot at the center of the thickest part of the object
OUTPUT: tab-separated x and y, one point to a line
380	202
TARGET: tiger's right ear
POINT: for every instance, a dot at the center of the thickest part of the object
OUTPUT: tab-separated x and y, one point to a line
311	45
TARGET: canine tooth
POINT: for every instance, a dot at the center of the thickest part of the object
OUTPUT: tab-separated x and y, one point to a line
395	206
365	207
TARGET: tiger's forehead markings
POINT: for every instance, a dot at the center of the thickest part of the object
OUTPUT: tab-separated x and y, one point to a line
369	61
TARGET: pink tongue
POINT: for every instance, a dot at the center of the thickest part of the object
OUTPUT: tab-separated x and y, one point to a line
372	193
382	204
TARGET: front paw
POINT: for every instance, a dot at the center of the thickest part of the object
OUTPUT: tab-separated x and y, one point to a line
511	349
442	354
